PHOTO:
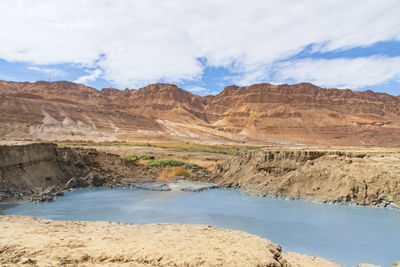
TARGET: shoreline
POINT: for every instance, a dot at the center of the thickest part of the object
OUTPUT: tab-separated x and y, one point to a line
41	171
85	193
245	192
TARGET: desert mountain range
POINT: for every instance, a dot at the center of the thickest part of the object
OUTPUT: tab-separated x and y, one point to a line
262	113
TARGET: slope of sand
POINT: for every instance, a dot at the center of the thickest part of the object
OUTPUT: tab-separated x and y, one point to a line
26	240
297	260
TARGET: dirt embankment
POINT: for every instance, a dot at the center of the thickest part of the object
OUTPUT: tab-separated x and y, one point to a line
371	179
40	171
26	240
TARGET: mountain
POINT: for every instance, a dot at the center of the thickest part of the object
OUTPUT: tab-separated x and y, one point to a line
262	113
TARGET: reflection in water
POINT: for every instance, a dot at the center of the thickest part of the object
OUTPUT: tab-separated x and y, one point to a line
346	234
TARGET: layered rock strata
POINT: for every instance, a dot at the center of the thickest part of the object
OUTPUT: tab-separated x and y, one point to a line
262	113
363	178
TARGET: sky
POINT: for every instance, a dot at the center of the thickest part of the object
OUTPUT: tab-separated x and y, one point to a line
203	46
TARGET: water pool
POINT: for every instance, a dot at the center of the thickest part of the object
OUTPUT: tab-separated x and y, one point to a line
348	235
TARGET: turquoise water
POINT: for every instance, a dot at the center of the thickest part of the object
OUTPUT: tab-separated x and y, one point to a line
346	234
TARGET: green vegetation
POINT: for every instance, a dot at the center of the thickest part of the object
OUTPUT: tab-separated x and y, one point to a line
224	149
153	162
165	163
137	158
192	165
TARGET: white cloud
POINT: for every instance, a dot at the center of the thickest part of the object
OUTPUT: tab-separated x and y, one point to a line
197	89
341	72
148	41
49	71
214	93
90	77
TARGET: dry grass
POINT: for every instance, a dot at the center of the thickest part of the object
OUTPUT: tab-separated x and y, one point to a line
144	162
208	164
170	172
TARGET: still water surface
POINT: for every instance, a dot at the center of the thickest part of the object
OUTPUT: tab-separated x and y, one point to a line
346	234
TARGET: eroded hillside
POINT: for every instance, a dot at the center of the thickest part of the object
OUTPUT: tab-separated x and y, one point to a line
261	113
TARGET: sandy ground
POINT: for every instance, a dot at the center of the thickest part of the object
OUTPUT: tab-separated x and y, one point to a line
137	150
26	240
298	260
14	143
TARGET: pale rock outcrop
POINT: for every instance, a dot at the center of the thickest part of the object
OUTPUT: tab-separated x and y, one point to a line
363	178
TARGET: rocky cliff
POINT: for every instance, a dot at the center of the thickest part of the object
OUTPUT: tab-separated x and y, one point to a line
363	178
261	113
40	171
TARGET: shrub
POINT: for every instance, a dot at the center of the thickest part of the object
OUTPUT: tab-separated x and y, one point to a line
141	157
130	157
145	157
170	172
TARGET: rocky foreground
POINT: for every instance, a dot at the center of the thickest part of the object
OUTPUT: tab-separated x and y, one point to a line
25	240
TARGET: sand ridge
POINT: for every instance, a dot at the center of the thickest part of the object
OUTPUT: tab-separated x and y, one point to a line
27	240
45	242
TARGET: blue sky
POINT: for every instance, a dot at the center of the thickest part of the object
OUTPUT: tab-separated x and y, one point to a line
203	47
